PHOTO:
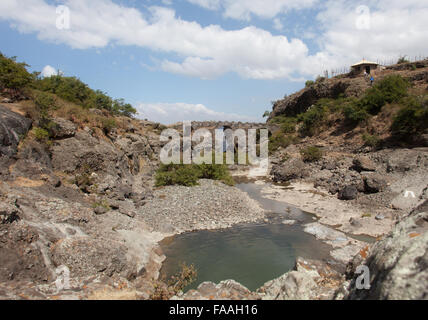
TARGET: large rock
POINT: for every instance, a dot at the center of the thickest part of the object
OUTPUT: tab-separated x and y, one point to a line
13	127
348	193
292	169
309	280
63	129
374	183
398	264
363	163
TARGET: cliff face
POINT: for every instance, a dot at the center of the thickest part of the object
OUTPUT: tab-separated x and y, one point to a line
331	88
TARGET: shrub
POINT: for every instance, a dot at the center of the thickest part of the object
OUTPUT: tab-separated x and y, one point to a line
44	104
412	119
311	154
311	120
41	134
279	140
371	140
355	114
108	124
289	125
188	175
391	89
309	83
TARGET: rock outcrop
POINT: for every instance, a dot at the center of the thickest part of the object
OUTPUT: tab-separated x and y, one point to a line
13	128
330	88
398	264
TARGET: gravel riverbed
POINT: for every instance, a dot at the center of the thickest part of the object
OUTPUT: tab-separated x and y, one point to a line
210	205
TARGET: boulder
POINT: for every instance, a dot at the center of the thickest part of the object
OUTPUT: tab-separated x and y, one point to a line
348	193
374	183
13	127
363	163
62	129
397	264
292	169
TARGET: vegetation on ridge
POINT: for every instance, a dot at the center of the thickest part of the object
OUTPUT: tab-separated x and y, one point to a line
14	76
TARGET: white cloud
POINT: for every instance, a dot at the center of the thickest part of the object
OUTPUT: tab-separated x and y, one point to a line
169	113
244	9
396	28
48	71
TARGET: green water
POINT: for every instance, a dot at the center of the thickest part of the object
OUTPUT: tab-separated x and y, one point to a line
251	254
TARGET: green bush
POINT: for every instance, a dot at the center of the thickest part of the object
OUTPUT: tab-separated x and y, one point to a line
279	140
44	103
393	88
41	134
354	114
412	119
311	154
371	140
188	175
13	75
309	83
108	124
74	90
311	120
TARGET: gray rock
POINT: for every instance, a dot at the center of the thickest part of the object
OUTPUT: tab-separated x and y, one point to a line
13	127
8	213
380	217
100	210
63	128
397	264
355	223
348	193
374	182
292	169
363	163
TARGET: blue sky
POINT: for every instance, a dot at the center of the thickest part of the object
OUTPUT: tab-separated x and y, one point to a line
207	59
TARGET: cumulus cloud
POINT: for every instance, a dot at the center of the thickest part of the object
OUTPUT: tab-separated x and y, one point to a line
211	51
169	113
48	71
393	28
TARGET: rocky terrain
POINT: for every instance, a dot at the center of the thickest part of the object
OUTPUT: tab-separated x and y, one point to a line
85	198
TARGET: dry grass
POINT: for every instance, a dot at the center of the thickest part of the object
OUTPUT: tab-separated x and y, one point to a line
112	294
28	183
